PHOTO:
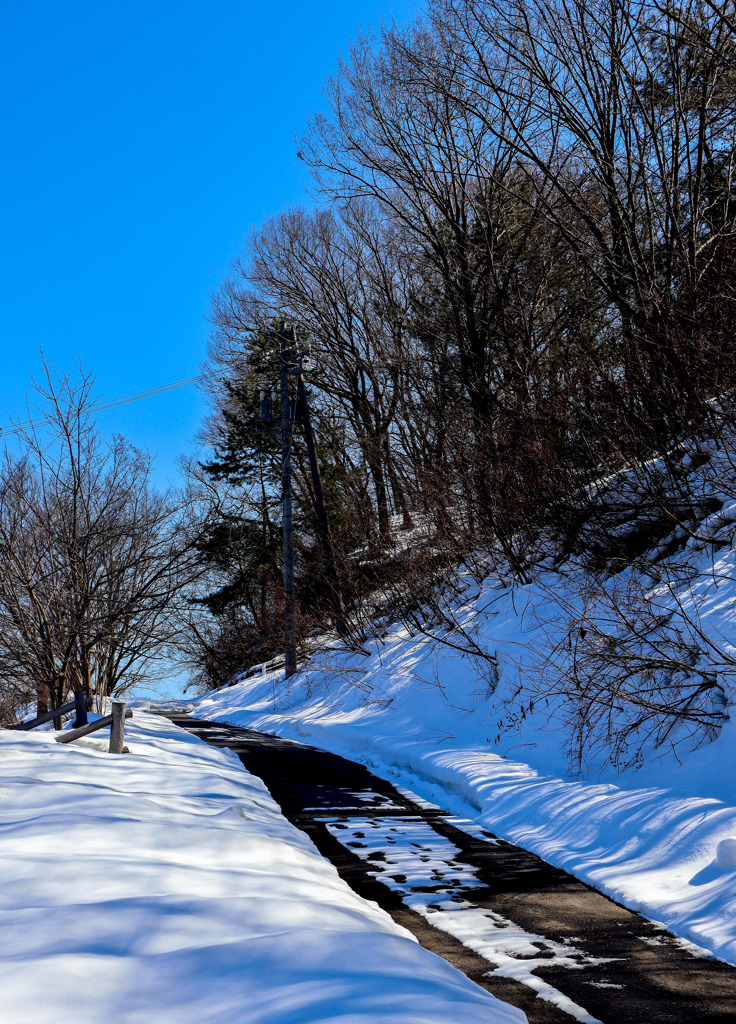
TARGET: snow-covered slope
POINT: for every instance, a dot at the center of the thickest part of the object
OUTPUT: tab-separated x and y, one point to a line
419	714
165	886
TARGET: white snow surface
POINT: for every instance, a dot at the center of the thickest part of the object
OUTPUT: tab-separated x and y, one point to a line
165	885
417	714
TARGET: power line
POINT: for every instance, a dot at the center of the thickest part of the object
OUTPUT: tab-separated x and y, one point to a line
113	403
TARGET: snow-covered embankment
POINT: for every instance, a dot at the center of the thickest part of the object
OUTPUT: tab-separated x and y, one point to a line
416	713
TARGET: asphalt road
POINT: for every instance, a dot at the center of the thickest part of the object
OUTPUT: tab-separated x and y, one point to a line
423	866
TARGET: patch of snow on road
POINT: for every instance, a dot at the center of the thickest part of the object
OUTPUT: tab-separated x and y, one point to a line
424	868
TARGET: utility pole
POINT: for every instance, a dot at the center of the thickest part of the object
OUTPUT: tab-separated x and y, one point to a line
288	523
291	355
337	602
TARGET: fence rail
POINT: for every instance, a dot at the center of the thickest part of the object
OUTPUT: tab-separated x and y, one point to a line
116	733
80	704
82	727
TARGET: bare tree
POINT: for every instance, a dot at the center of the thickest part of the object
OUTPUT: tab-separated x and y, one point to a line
324	272
624	110
93	560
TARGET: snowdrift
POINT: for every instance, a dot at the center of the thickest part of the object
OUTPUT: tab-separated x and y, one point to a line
166	886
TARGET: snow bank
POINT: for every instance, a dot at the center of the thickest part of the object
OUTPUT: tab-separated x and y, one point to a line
418	714
166	886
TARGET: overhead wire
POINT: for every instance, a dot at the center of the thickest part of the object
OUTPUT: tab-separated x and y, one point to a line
17	428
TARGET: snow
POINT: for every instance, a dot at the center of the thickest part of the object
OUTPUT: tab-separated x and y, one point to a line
165	885
422	716
726	854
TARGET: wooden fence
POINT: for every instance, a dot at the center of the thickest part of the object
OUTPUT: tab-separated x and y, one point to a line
82	727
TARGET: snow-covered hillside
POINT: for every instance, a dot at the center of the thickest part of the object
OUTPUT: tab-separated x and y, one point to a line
165	886
420	714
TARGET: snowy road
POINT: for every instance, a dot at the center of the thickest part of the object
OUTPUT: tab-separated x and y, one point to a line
527	932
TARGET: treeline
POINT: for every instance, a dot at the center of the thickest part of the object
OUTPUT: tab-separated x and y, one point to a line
518	282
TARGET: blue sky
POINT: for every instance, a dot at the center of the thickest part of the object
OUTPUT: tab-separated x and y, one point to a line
140	142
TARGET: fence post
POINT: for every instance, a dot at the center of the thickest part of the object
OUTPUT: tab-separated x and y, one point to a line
117	729
80	707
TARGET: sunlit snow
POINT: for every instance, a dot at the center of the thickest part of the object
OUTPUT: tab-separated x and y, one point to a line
165	886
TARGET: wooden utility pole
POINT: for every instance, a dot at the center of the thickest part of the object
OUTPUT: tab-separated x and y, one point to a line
337	602
292	355
287	353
